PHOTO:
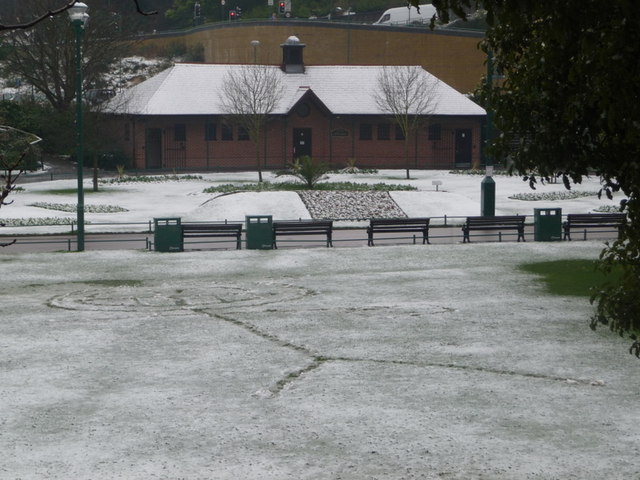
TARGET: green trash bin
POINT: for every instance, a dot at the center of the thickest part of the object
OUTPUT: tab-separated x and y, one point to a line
167	235
259	229
547	224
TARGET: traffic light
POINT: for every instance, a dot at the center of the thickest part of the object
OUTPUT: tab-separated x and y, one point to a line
281	7
232	15
196	10
238	12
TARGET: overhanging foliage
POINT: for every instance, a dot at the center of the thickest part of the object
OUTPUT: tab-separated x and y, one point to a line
567	104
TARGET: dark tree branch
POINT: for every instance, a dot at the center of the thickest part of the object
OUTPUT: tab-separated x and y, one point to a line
8	185
10	179
52	13
7	244
142	12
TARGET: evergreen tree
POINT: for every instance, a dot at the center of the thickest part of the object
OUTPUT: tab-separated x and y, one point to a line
568	106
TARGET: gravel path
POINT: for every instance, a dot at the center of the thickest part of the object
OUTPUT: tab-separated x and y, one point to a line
344	205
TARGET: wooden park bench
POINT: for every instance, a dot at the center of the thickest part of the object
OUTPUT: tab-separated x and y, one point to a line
304	227
584	221
499	223
215	230
398	225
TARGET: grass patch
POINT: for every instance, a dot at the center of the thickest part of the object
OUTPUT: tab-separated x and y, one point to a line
297	186
60	191
100	283
115	283
570	277
70	191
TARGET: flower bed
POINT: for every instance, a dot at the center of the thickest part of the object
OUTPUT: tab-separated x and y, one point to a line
37	222
151	178
72	207
552	196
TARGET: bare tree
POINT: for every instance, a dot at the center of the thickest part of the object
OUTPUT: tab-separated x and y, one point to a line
47	13
249	95
15	147
409	95
44	55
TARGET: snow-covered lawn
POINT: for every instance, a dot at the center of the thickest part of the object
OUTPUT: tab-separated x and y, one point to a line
459	195
404	362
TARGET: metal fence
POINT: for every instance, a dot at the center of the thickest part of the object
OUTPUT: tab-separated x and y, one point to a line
444	229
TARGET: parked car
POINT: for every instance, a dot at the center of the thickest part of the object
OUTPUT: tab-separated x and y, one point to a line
407	15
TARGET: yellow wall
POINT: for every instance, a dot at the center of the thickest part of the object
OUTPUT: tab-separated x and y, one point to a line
454	58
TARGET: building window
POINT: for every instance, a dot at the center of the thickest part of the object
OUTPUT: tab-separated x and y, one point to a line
210	133
242	133
180	132
226	132
303	110
399	133
435	132
366	131
384	131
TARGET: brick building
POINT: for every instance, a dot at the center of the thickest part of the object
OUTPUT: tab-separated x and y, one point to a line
176	120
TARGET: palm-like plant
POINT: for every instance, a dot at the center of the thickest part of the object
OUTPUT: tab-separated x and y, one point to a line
310	172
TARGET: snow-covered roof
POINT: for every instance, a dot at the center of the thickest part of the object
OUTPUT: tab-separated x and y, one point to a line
196	89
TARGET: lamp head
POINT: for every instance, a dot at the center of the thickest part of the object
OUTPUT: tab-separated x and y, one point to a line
78	13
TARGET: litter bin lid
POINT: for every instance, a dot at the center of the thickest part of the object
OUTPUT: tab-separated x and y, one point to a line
167	219
258	218
547	211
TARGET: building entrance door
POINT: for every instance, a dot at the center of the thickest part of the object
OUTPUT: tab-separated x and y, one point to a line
301	142
463	148
153	148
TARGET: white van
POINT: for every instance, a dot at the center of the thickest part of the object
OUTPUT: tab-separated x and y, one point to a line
407	15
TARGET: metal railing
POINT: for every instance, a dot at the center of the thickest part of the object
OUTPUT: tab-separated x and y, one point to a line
446	228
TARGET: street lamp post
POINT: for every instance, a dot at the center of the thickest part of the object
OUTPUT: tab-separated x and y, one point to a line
79	18
488	185
255	44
